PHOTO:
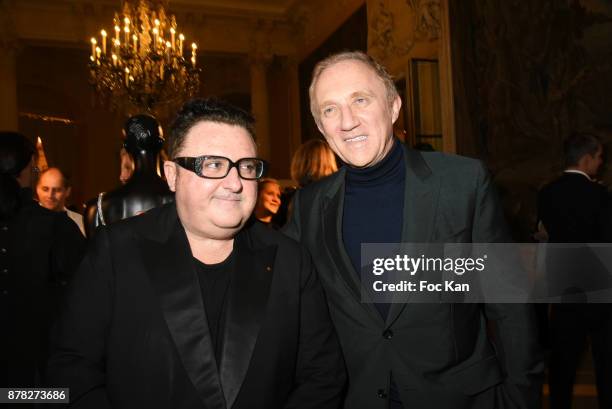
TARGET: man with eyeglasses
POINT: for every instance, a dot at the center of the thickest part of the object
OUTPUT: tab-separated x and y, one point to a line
192	305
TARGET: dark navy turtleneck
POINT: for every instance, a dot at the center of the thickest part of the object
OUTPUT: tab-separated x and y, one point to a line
373	206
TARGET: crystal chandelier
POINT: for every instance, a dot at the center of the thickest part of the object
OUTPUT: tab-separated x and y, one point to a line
143	63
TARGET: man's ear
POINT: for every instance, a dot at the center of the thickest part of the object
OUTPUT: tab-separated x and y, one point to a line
171	174
396	105
68	191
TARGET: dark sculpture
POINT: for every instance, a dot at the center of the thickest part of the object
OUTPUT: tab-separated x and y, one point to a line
145	189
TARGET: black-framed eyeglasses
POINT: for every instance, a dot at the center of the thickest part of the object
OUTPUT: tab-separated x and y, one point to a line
217	167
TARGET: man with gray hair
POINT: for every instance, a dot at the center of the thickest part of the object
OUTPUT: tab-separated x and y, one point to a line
417	356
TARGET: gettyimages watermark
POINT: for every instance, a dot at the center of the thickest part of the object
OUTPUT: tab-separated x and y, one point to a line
486	273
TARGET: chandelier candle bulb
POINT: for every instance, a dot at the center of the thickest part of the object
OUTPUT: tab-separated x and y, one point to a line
172	32
127	76
168	49
93	47
135	38
181	38
155	35
126	29
98	51
117	30
103	34
114	60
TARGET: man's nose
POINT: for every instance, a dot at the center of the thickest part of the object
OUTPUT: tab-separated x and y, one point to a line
348	120
232	181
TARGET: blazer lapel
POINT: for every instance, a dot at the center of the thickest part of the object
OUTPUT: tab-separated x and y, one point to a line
167	259
332	211
246	308
420	207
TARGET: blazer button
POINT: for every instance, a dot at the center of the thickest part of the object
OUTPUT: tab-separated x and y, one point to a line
387	334
381	394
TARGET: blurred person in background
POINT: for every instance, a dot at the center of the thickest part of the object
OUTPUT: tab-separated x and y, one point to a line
312	161
268	201
39	250
52	190
573	209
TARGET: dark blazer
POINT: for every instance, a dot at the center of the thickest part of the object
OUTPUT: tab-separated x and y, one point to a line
572	208
439	354
39	251
134	332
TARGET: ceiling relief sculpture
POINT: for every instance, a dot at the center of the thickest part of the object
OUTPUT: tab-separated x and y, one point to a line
427	18
397	27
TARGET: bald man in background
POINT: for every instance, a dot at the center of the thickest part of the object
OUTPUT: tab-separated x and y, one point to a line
52	190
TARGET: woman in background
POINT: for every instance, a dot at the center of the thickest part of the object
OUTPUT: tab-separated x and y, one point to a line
313	160
268	201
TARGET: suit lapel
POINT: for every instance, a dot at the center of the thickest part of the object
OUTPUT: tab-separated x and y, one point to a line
420	199
421	194
246	308
169	265
332	228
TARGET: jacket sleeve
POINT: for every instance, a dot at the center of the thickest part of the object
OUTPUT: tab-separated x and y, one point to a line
78	339
513	326
320	373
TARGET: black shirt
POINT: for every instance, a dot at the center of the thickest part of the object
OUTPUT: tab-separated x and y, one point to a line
214	282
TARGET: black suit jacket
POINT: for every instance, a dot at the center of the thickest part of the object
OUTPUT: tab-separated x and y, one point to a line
40	251
134	332
439	354
572	209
